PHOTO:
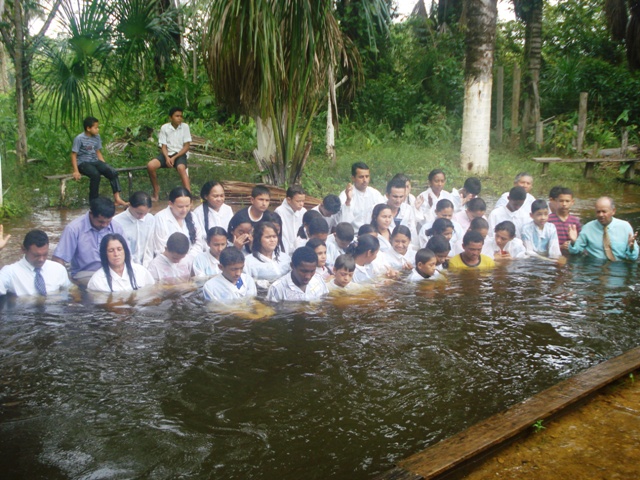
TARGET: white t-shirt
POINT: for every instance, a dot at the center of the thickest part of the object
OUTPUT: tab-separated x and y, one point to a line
362	205
136	232
220	218
284	289
19	278
219	289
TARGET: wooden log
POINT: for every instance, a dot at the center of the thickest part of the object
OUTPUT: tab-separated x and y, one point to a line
539	135
489	434
515	101
499	104
582	121
239	193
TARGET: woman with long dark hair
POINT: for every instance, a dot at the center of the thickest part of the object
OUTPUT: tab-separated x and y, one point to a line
118	272
177	217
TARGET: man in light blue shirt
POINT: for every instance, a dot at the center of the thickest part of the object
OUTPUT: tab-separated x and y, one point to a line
606	238
80	241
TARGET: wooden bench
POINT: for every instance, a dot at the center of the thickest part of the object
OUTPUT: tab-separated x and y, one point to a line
68	176
589	164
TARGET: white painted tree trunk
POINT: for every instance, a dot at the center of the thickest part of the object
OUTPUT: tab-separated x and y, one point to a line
331	132
476	126
266	139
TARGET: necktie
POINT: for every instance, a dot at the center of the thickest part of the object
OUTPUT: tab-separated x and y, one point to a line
41	288
606	243
239	283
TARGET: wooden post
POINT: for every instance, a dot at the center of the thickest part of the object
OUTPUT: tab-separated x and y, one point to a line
624	144
539	134
515	101
524	131
500	104
582	120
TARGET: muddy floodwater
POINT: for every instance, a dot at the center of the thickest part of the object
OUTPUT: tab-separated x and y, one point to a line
165	388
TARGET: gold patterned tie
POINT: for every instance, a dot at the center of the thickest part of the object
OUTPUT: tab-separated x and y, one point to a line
606	243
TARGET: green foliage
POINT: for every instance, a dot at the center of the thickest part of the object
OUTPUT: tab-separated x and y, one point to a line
537	426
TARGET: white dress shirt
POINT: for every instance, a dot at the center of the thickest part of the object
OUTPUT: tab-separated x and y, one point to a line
333	250
541	241
19	278
205	265
504	199
165	225
291	223
397	261
220	218
344	215
284	289
164	270
502	214
174	138
219	289
430	210
416	277
136	233
362	205
458	234
269	269
98	282
515	248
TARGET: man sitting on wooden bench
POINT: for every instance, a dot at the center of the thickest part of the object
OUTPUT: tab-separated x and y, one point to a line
87	159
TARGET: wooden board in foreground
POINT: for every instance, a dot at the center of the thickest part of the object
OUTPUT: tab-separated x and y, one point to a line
478	439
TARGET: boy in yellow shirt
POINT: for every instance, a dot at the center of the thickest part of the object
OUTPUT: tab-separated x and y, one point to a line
471	257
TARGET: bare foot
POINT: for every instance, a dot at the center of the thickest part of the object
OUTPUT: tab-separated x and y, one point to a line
119	202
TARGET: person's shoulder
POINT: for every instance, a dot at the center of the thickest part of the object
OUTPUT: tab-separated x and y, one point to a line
486	260
55	267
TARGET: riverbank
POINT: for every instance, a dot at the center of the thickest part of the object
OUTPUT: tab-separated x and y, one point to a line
599	439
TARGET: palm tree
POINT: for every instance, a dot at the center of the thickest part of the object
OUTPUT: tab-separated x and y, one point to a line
624	25
530	13
476	120
273	60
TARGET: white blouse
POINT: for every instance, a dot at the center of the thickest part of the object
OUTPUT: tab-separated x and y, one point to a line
98	282
220	218
165	225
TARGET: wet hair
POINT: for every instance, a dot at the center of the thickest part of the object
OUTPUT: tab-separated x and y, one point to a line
555	191
102	207
377	210
435	172
345	232
473	185
139	199
315	243
401	230
565	191
424	255
332	204
476	205
178	243
438	244
344	262
204	192
403	177
260	190
472	237
442	204
521	175
89	122
364	244
396	183
231	256
366	229
506	226
517	193
191	226
258	233
439	226
478	223
104	261
215	231
317	226
306	220
173	110
35	237
539	205
304	254
294	190
358	166
274	217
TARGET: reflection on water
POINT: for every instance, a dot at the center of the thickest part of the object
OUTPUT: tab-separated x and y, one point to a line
170	389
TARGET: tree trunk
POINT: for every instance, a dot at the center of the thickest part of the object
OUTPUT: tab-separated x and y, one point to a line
21	144
4	72
265	155
476	120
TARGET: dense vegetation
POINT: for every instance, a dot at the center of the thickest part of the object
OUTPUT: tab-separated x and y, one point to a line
400	109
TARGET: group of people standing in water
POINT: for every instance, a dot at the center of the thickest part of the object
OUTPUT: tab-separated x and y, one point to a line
357	238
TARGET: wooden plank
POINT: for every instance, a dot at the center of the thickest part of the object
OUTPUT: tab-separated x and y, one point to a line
453	452
69	175
583	160
397	474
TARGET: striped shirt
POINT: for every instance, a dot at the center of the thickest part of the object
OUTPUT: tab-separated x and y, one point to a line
563	227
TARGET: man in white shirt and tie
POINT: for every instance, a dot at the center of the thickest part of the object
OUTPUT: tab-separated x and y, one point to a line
34	274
